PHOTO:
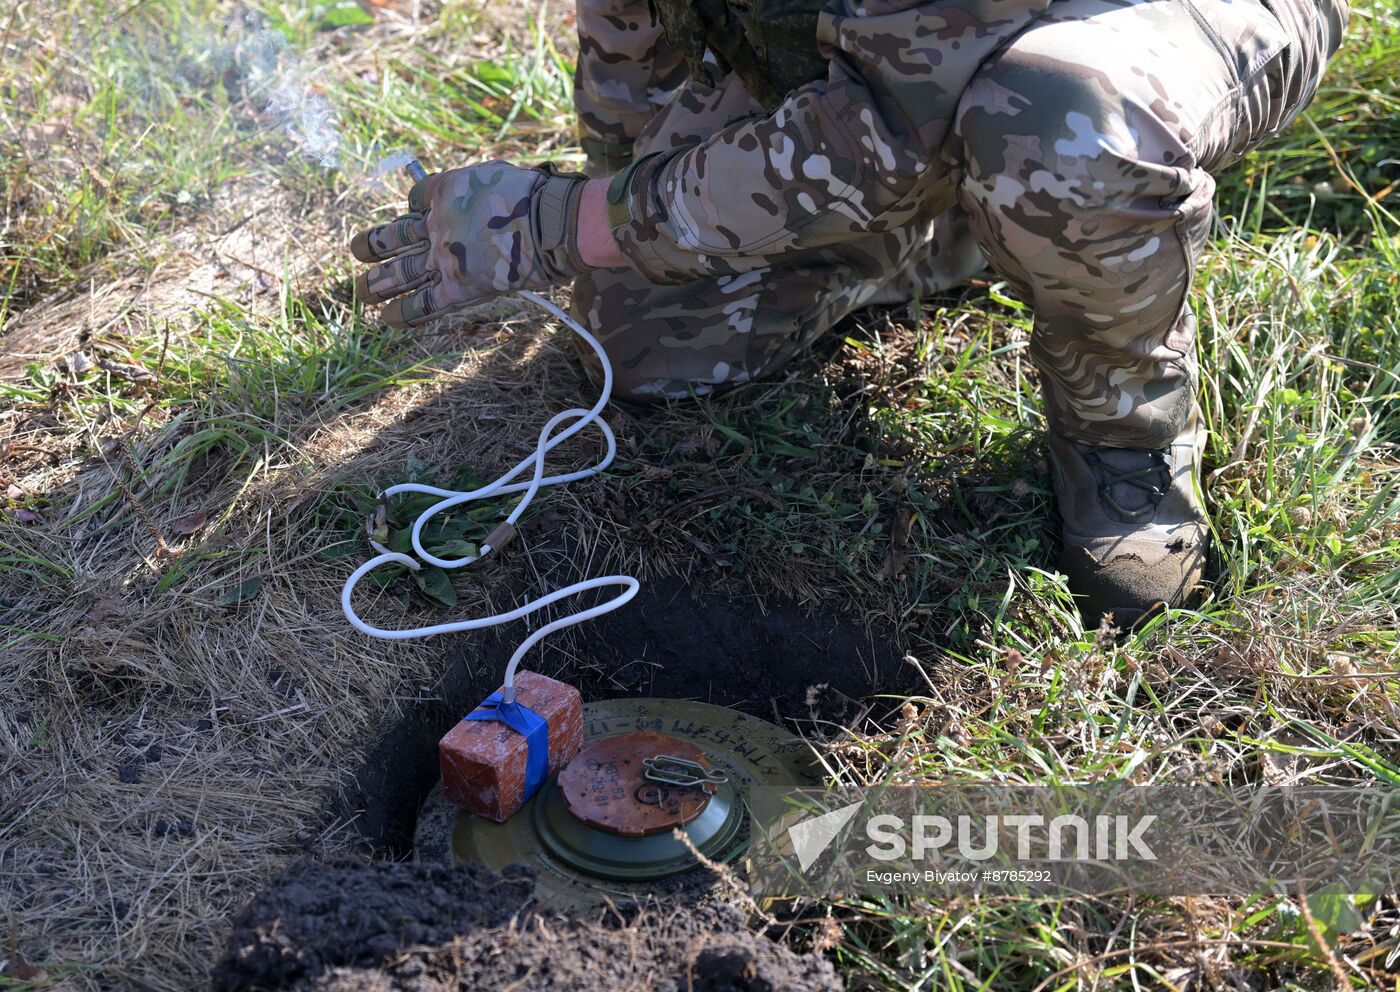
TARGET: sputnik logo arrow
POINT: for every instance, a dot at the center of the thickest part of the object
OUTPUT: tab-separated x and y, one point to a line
813	836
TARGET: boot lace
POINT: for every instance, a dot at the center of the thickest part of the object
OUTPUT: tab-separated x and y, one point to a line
1150	474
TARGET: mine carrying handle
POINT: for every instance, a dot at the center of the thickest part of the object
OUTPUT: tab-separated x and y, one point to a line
681	771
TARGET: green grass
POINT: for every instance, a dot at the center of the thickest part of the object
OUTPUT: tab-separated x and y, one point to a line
91	169
936	422
902	473
89	164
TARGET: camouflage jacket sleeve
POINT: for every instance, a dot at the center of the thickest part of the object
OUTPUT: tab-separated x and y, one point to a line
840	159
625	70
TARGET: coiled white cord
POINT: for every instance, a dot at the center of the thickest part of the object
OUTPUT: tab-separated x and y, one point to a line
547	441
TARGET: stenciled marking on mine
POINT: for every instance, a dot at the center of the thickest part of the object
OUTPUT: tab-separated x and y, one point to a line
689	728
749	750
606	783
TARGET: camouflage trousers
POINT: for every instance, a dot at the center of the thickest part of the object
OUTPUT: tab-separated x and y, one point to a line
1078	166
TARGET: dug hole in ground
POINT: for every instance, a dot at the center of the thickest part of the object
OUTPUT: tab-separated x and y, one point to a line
352	925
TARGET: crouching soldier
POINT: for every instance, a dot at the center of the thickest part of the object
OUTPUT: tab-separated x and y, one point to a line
764	167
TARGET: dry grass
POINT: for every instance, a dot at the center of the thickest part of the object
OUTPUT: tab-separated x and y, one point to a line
163	752
147	707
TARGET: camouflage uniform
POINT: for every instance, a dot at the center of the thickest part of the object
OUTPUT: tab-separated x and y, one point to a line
1067	143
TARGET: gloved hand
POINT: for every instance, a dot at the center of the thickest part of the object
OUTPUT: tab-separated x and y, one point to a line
470	234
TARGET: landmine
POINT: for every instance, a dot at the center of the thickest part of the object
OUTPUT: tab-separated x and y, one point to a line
602	829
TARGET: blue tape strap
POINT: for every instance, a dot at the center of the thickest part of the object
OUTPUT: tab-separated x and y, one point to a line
529	725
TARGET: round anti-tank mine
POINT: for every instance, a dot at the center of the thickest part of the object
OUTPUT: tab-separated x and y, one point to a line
606	826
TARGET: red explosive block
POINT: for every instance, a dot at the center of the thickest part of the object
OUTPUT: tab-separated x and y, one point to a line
483	761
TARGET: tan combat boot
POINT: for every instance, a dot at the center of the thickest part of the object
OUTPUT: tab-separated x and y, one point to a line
1135	531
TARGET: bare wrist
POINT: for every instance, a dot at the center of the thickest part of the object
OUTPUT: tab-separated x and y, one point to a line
596	245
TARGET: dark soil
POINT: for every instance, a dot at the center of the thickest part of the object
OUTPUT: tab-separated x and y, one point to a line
356	927
351	927
716	645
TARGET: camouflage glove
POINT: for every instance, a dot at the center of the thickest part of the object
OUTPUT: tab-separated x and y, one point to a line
470	234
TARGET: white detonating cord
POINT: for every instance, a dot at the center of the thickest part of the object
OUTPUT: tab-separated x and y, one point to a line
547	440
